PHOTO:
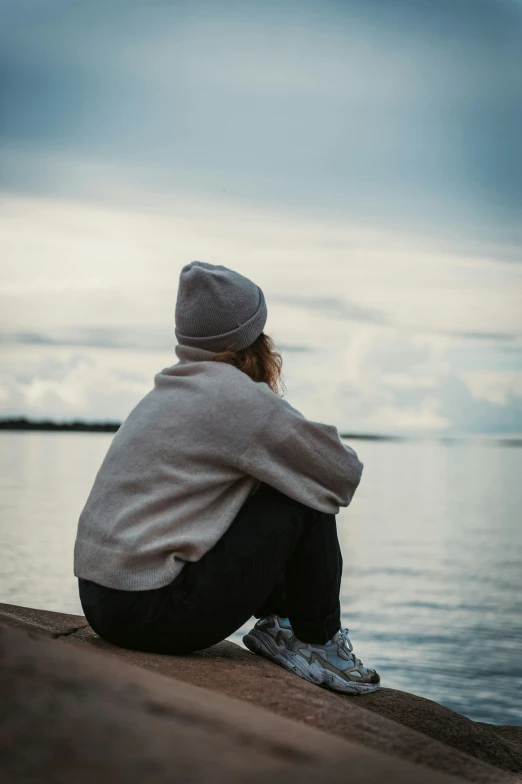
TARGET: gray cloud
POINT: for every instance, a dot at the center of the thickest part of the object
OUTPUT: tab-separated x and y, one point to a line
96	337
344	309
404	111
495	336
333	307
471	415
143	339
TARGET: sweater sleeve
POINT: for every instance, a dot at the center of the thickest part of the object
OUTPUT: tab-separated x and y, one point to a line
305	460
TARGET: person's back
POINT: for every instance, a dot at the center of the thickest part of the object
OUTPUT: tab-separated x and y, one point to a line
160	497
212	474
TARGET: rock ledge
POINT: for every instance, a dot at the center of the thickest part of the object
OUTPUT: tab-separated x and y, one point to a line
385	736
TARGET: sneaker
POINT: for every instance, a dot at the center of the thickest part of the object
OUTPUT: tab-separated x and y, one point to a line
333	665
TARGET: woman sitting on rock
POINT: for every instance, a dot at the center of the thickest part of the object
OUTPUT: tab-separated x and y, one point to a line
217	501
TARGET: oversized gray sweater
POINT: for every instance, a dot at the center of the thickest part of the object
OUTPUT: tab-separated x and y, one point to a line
186	459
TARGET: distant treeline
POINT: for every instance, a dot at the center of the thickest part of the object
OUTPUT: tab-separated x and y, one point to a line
22	423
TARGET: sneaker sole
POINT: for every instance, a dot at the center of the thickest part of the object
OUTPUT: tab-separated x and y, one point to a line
265	646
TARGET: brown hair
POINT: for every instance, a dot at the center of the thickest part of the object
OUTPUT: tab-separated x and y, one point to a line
261	361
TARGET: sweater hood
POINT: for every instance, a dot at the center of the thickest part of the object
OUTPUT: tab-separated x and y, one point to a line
191	354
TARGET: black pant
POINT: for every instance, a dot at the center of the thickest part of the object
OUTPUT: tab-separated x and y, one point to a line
278	556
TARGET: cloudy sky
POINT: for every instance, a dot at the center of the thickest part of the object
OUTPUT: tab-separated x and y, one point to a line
360	160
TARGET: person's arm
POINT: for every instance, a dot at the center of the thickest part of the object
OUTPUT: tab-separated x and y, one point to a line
305	460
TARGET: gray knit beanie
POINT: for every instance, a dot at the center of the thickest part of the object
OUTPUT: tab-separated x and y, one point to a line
218	308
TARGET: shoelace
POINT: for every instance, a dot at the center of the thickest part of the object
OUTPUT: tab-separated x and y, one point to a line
346	640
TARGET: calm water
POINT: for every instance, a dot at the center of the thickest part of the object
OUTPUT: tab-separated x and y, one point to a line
432	547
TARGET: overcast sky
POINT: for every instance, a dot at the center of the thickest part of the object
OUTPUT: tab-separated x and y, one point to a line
361	161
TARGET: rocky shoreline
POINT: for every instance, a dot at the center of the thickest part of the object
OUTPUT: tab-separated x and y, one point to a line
75	708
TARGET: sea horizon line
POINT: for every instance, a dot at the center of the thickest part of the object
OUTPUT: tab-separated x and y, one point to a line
23	423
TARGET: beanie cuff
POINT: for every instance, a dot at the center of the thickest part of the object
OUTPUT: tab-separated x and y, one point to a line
237	339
